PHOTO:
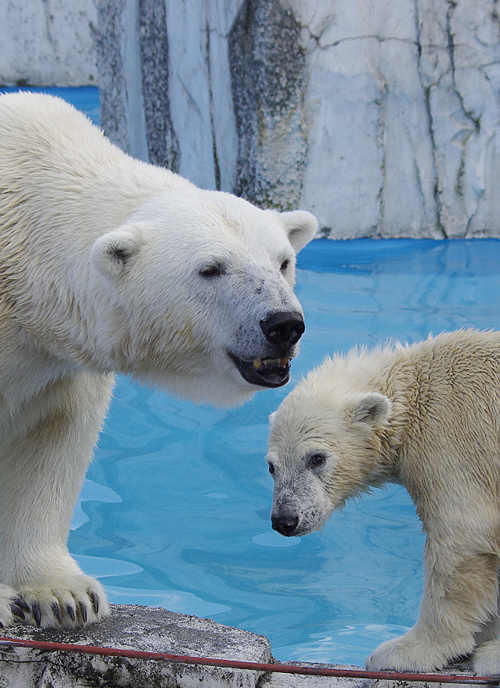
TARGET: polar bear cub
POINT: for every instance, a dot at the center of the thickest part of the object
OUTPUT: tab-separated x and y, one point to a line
427	417
108	264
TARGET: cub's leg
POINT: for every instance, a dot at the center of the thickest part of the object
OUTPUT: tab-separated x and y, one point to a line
44	454
460	598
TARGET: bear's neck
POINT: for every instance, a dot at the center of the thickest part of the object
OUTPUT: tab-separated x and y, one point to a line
400	385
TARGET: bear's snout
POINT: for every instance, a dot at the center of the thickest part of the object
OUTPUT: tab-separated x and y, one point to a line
283	329
285	524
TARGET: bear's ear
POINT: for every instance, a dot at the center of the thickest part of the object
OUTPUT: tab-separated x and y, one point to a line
112	253
372	408
300	227
271	418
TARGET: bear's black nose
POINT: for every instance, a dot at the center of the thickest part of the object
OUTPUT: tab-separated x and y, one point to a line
283	329
286	525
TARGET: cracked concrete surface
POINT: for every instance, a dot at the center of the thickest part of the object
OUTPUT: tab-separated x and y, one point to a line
135	628
157	630
268	74
48	43
380	116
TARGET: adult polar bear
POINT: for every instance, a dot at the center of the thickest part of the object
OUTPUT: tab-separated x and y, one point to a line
428	417
110	264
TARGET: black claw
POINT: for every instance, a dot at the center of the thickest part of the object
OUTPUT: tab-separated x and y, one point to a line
37	614
1	625
95	601
83	612
56	610
17	611
19	602
71	612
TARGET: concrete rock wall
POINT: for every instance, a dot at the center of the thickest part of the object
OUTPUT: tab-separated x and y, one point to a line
403	113
48	42
380	116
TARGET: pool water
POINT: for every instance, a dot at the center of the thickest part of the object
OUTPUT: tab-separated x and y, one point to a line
175	508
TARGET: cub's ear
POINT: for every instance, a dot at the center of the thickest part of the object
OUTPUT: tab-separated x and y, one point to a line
112	254
300	227
271	418
372	408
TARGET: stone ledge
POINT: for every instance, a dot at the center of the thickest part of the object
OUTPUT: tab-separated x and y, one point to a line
278	680
136	628
153	629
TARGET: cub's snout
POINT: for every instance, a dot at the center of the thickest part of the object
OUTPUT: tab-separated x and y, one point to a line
285	524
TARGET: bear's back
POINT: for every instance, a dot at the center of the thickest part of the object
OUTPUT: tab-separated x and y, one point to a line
49	141
61	181
39	129
464	363
453	410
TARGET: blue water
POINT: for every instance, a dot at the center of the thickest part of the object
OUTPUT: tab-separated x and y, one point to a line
175	508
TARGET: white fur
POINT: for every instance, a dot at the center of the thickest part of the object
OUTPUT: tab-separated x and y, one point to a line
428	417
100	271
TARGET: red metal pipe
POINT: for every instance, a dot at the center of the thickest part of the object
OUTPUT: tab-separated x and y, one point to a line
252	666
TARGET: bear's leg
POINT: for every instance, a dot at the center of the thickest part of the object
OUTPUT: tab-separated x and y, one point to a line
43	459
491	629
460	598
486	659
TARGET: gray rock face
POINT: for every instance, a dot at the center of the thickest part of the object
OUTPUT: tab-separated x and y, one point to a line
268	77
163	147
403	116
48	43
381	117
135	628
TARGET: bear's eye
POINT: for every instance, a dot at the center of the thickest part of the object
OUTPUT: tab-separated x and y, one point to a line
211	271
316	460
271	468
284	265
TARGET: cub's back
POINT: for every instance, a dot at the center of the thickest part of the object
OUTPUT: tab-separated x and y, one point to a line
465	362
454	410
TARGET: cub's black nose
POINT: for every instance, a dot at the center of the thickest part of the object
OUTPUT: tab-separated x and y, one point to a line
283	329
286	525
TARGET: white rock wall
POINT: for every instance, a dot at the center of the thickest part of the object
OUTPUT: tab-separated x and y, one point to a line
380	116
371	167
47	42
403	116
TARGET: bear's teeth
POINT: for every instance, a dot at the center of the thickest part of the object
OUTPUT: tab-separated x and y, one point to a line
259	362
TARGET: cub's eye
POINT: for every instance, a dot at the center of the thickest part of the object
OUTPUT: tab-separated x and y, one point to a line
211	271
271	468
284	265
316	460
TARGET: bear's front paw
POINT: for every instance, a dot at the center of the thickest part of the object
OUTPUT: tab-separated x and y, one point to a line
410	652
68	601
12	607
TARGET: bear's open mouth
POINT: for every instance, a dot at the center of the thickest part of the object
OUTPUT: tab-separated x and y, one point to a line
264	372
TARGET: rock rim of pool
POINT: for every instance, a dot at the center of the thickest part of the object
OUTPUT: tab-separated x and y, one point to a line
151	629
